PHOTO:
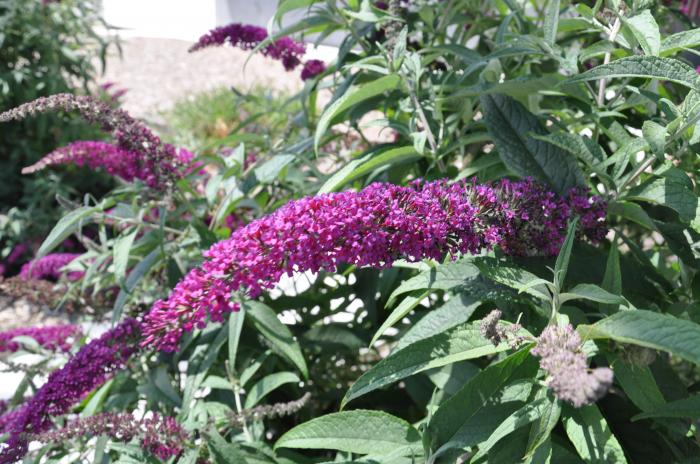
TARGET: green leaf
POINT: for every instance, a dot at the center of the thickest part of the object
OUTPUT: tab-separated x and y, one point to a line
685	408
591	292
97	399
222	451
199	362
650	329
513	277
667	192
589	432
680	41
632	212
267	323
270	170
457	344
134	277
456	311
644	28
511	125
655	134
651	67
235	327
332	337
442	277
351	97
541	430
584	148
526	415
285	6
66	226
358	431
562	263
122	248
368	163
407	305
475	411
612	279
268	384
639	385
551	21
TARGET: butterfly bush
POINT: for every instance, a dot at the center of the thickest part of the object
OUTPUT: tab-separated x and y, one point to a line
160	164
569	378
159	435
373	227
94	363
49	267
104	155
247	37
56	337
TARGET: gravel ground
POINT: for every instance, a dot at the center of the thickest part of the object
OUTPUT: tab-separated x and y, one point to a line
158	72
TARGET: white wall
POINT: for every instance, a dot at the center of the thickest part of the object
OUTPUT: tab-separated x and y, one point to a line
171	19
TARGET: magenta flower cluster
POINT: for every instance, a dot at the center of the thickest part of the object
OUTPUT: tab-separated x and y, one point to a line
569	378
247	37
55	337
312	68
84	371
159	163
159	435
49	267
373	227
113	159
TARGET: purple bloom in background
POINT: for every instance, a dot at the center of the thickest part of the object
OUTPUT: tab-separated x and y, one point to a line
56	337
247	37
312	68
161	161
84	371
49	267
559	350
373	227
97	154
161	436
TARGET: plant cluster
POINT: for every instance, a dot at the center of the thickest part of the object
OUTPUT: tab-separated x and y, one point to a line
483	248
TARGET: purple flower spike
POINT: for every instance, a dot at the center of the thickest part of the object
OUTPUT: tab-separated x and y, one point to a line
373	227
568	375
247	37
118	162
48	267
161	161
159	435
85	371
57	337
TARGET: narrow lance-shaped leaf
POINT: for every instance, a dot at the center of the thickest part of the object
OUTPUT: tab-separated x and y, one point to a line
589	432
475	411
645	30
511	125
407	305
351	97
650	329
358	431
651	67
457	344
265	320
562	263
523	416
551	21
684	408
268	384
